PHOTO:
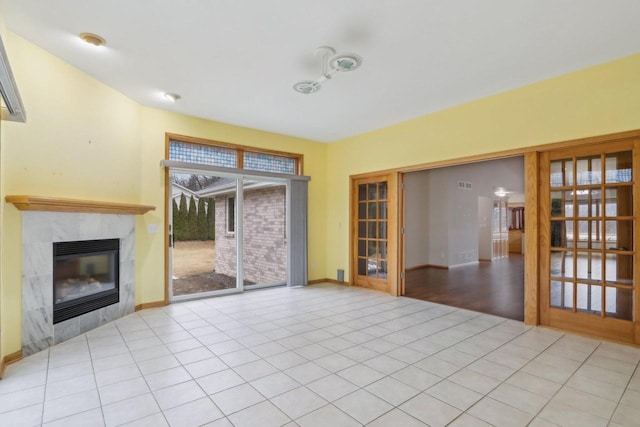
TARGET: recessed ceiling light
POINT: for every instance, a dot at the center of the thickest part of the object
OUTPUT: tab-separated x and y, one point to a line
93	39
173	97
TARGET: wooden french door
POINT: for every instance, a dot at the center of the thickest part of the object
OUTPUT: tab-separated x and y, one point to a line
374	232
589	206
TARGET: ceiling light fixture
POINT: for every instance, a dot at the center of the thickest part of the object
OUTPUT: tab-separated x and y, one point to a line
331	64
173	97
93	39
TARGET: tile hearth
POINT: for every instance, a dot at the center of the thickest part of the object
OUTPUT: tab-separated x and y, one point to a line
322	355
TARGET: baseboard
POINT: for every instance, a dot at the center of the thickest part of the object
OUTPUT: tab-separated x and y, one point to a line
442	267
314	282
464	264
417	267
8	360
154	304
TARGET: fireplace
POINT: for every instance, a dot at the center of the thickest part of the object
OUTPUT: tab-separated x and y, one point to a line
85	277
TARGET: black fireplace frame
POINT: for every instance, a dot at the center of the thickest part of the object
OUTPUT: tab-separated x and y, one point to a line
79	306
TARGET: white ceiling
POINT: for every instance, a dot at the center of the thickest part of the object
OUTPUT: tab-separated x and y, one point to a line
236	61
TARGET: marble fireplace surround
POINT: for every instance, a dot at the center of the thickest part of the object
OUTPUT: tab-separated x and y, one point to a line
58	223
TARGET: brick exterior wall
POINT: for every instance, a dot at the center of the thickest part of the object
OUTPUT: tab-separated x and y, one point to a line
265	246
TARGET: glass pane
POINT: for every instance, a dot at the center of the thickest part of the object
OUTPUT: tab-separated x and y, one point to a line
590	234
372	210
362	211
383	210
618	167
562	173
589	170
619	201
362	229
382	245
382	188
382	272
589	298
362	266
561	203
362	247
372	191
619	235
382	230
373	229
589	202
362	192
619	269
562	264
561	294
589	266
562	234
619	303
372	266
372	252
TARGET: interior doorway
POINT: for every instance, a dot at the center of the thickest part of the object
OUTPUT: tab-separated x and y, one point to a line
463	236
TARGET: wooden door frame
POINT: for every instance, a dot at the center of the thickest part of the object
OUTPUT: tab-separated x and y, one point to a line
532	163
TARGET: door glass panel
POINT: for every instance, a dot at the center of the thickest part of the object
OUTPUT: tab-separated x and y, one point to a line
362	229
362	266
561	203
589	298
382	271
362	210
561	294
382	229
562	234
562	173
372	229
204	222
383	210
619	235
596	233
373	191
372	211
372	251
619	269
618	167
619	201
362	192
562	264
589	266
589	203
362	247
619	303
589	170
382	187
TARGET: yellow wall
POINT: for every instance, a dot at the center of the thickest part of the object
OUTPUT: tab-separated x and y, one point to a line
85	140
595	101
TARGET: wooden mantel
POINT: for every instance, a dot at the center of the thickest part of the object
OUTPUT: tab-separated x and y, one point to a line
54	204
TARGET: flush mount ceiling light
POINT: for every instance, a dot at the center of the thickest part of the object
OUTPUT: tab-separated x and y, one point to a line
173	97
93	39
331	64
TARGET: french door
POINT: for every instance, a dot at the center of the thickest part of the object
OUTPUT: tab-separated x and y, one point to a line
374	222
588	230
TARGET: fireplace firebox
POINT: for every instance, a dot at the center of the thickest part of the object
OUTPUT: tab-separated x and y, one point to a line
85	277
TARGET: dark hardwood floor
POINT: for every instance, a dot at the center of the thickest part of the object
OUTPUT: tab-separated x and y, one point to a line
495	287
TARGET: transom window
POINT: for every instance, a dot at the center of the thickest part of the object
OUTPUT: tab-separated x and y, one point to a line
211	153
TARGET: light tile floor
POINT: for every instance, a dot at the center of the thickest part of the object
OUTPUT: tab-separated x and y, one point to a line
322	355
